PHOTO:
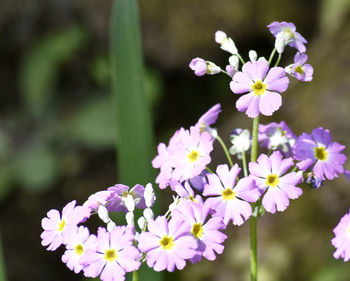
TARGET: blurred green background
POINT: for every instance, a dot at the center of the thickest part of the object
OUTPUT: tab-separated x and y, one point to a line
57	130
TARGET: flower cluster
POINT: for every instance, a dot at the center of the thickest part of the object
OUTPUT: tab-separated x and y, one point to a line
206	198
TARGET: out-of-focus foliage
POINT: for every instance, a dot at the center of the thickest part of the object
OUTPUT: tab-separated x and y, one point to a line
2	263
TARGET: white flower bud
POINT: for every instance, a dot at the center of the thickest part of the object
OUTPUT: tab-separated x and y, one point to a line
111	225
240	142
253	56
234	61
173	205
103	214
141	222
148	214
130	218
129	202
212	68
149	195
280	43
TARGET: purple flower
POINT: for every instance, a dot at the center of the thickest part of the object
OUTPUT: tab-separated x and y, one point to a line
231	198
104	197
318	150
287	31
208	118
114	255
300	69
230	70
272	177
277	136
199	66
79	242
58	229
263	85
206	231
341	241
137	193
167	244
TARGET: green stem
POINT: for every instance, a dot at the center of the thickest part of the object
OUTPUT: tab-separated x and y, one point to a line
272	54
254	218
225	150
135	275
278	59
253	248
244	162
241	59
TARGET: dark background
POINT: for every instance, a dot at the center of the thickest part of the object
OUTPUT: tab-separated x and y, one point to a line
57	129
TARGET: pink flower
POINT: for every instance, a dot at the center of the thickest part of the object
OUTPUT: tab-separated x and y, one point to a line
231	201
167	244
58	229
341	241
272	177
114	255
263	87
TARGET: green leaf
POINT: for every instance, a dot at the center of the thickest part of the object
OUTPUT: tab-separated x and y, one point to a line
40	67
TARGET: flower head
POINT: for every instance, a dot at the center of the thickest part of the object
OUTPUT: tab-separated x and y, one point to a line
202	67
113	256
58	228
231	198
300	69
341	241
263	86
167	244
272	177
286	31
208	119
318	150
226	43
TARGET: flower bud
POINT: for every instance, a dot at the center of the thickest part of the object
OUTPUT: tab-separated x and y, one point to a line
103	214
253	56
148	214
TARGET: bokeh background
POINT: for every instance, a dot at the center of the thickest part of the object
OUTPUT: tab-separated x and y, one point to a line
57	131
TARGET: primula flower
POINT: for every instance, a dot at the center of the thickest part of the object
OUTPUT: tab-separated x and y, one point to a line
341	241
240	140
263	85
287	32
300	69
191	154
201	67
167	244
231	201
114	255
208	118
318	150
277	136
206	231
58	228
272	177
136	192
79	242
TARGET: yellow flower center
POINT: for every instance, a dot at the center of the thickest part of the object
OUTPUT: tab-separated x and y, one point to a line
289	33
299	69
193	156
79	249
321	153
259	88
110	255
197	230
228	194
167	242
272	180
126	193
61	225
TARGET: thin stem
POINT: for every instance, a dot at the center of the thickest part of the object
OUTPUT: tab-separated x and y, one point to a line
135	275
209	170
253	220
278	59
272	54
244	162
253	248
225	150
241	59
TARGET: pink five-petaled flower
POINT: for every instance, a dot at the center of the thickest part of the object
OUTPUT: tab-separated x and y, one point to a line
231	198
58	229
263	85
270	174
114	255
341	241
319	149
206	231
300	69
167	244
287	31
208	118
79	242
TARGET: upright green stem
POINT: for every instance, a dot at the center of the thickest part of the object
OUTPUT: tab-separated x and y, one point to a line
244	162
225	150
254	217
278	59
135	275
